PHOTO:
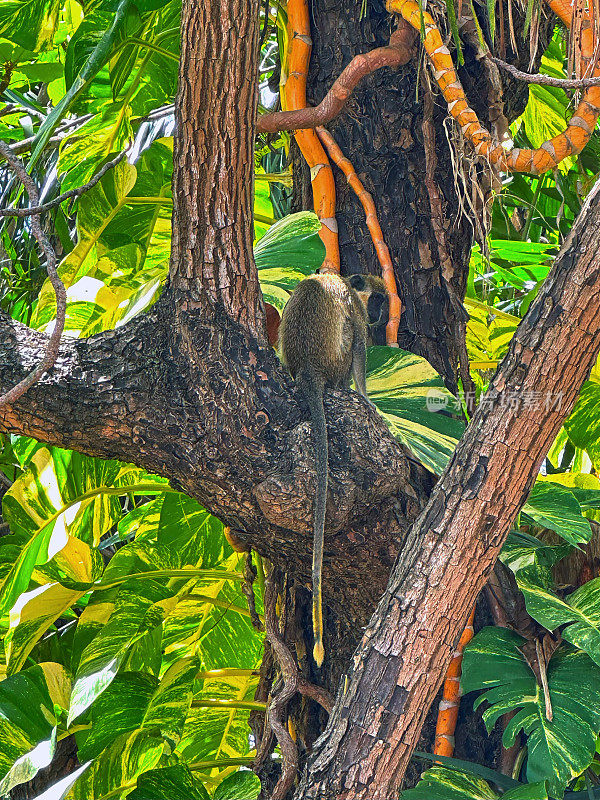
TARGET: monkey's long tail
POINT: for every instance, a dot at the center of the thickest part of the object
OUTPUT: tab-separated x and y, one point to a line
312	386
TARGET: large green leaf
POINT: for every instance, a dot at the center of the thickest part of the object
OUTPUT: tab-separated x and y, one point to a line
579	611
116	771
137	701
414	402
89	69
30	618
28	727
64	494
553	506
217	724
212	621
584	487
523	550
97	209
558	750
441	783
241	785
292	242
288	251
170	783
583	426
29	23
139	608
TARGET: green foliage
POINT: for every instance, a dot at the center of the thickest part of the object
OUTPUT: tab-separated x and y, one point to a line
441	783
135	680
561	743
122	615
415	403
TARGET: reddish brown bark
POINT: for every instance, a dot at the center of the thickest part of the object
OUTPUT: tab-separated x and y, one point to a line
189	392
213	184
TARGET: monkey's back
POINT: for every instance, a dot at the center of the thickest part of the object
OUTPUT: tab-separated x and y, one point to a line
318	327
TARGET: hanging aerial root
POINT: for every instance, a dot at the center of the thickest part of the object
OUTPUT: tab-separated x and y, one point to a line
381	248
293	96
450	702
537	161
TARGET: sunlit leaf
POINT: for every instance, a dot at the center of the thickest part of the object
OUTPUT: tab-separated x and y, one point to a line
560	749
579	612
28	727
139	608
415	404
115	772
136	701
30	618
64	494
29	23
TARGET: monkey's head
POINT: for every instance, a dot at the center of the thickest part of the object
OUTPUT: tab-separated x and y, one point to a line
374	297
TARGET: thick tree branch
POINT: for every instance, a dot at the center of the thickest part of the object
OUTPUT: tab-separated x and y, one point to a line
452	547
211	409
188	391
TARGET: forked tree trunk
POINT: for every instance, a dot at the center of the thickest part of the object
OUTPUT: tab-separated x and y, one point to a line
189	391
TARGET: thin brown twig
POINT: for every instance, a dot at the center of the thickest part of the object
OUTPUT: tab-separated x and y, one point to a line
12	395
545	80
316	693
27	212
396	54
248	591
289	674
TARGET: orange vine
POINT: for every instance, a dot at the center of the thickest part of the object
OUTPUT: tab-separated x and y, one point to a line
535	161
396	54
293	96
450	702
381	248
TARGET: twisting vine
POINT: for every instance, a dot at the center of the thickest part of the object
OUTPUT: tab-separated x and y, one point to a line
13	394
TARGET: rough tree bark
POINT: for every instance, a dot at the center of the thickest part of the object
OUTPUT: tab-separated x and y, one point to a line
191	391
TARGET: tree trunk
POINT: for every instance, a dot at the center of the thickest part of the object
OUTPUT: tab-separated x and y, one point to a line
212	265
452	547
